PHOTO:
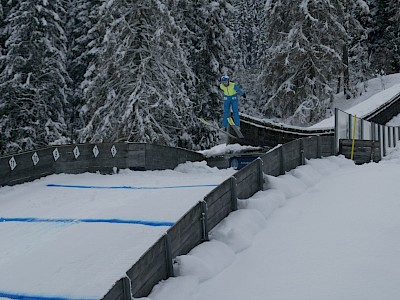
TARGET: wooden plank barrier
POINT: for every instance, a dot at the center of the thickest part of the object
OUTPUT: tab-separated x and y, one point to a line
364	151
192	229
156	263
292	155
248	180
187	233
160	157
152	266
120	290
326	146
79	158
310	147
219	203
24	168
272	162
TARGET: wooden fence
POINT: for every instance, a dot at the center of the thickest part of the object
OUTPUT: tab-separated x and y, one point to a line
80	158
369	137
193	228
365	151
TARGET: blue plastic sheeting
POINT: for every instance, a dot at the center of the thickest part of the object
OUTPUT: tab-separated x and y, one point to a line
115	221
131	187
33	297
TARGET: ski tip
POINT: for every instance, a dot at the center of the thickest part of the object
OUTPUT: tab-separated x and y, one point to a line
203	121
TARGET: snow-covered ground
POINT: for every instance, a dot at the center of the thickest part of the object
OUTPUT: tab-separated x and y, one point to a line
378	92
373	87
326	230
76	239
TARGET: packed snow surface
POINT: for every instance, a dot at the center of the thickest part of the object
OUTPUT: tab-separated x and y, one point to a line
327	230
74	236
377	92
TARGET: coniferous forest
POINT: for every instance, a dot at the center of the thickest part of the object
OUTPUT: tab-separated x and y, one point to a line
144	71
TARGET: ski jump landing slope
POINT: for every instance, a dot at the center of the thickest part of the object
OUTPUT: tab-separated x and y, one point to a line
380	109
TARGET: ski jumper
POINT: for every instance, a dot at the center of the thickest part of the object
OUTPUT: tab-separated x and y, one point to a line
231	100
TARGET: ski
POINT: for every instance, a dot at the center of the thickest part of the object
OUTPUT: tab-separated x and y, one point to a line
235	128
217	128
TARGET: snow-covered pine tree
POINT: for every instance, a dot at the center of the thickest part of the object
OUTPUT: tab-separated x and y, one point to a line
384	35
6	7
248	37
33	84
357	48
2	45
83	37
303	57
395	37
138	92
208	41
2	31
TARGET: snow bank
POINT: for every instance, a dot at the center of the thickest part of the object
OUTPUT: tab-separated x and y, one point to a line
198	167
236	232
226	149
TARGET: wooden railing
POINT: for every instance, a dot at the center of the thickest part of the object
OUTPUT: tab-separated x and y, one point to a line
80	158
194	227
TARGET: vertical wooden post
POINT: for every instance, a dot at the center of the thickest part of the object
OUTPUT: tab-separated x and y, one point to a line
168	256
126	285
282	161
234	204
319	147
204	218
302	157
260	174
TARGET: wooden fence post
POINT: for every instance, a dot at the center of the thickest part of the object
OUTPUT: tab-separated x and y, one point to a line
127	291
234	194
282	161
302	158
319	147
168	256
204	219
260	174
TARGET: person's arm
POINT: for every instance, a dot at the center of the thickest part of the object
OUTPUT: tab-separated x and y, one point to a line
241	93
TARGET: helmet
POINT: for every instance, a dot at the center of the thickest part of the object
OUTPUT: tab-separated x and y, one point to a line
224	79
